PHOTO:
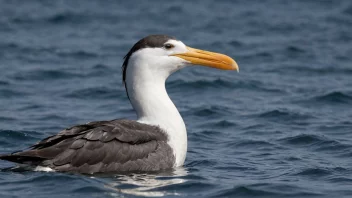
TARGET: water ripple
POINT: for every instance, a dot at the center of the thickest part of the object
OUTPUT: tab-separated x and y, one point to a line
44	75
10	93
4	83
223	84
208	111
18	135
77	54
282	115
216	83
303	139
304	70
267	190
243	144
58	18
316	172
245	191
336	97
93	93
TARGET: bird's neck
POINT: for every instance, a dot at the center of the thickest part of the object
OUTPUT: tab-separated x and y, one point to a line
150	100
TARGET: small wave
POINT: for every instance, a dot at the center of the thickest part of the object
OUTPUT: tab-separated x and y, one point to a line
30	107
254	126
100	67
205	138
332	146
236	43
193	176
234	167
318	144
9	46
7	118
256	85
341	179
183	84
302	139
201	163
295	49
16	139
46	75
340	127
264	55
245	191
274	113
93	93
58	18
252	85
89	189
250	144
265	190
340	20
284	115
175	9
348	10
77	54
10	93
314	172
216	124
18	135
192	186
206	135
33	53
2	82
209	111
222	124
67	17
283	28
100	70
45	178
309	70
336	97
53	116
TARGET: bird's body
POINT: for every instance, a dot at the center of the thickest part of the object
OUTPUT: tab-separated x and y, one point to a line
156	141
105	146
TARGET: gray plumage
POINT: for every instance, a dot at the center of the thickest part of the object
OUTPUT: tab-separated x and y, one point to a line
101	147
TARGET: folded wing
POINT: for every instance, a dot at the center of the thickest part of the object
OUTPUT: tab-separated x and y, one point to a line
104	146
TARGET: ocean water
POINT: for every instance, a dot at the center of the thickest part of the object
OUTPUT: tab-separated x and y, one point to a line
281	127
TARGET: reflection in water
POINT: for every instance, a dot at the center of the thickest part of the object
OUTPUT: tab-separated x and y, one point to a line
147	184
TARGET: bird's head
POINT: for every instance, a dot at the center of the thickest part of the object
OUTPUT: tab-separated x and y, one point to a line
163	55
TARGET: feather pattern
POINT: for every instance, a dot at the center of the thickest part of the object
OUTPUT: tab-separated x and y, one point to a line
102	146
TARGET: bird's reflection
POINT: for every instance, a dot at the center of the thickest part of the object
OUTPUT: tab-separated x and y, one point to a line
150	185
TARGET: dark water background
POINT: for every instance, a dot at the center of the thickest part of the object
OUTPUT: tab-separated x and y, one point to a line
280	128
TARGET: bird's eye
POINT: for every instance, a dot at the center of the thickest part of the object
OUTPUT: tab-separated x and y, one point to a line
168	46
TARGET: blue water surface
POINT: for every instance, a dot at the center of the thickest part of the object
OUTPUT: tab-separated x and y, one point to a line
281	127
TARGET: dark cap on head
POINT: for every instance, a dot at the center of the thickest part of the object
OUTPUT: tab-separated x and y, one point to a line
151	41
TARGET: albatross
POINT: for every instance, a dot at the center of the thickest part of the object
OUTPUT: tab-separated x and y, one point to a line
156	141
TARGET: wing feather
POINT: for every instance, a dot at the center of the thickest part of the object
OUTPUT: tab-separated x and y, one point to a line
102	146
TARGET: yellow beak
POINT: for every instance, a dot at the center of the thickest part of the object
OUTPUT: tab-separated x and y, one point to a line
210	59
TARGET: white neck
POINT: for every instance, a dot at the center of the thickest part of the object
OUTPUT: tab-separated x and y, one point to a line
148	96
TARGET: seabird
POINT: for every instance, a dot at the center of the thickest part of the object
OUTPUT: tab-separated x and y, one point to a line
157	140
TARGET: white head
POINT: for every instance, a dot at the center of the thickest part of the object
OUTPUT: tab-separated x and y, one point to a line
162	55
